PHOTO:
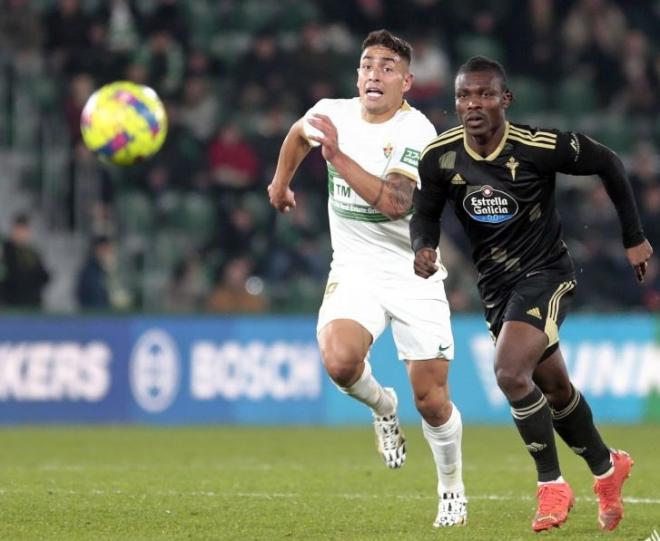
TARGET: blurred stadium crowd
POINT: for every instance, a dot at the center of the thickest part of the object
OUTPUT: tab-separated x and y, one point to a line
191	229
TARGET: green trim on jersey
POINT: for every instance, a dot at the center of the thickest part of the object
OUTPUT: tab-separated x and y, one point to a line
352	211
360	215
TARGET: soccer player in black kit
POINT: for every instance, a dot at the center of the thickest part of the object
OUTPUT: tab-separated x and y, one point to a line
500	179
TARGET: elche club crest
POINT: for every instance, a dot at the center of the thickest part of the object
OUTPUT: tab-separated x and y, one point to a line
490	206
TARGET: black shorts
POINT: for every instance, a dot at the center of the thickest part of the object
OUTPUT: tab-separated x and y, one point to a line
539	300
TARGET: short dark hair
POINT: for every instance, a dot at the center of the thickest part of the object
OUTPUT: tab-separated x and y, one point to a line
386	39
483	63
21	218
101	240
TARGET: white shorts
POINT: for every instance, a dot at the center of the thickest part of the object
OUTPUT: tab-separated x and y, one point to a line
417	309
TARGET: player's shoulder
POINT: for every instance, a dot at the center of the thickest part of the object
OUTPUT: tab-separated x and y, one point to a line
335	105
408	113
446	140
532	137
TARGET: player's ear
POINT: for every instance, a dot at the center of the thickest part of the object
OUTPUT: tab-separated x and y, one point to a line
407	81
507	98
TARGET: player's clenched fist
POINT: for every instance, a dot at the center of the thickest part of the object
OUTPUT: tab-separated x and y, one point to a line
281	197
425	262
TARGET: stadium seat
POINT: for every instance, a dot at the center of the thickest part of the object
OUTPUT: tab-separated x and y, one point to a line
195	216
576	95
135	212
530	96
469	45
617	133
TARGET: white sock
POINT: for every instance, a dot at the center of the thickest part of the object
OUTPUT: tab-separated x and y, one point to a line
559	479
445	443
368	391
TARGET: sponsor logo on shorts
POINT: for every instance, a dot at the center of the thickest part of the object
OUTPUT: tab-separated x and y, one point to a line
490	206
330	288
535	312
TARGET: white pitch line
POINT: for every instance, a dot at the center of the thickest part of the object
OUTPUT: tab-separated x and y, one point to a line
295	495
361	496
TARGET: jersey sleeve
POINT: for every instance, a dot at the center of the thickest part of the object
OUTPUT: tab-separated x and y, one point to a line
323	107
408	146
570	153
428	203
577	154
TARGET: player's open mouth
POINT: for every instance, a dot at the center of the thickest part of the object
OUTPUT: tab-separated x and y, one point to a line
474	121
373	92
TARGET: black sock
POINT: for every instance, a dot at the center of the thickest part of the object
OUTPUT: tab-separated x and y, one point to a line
534	421
575	424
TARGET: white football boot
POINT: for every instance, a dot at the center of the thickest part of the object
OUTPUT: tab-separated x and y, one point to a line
452	510
390	440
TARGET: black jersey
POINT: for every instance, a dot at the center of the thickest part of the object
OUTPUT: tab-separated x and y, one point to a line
506	201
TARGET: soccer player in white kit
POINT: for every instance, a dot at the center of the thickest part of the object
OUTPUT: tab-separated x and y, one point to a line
372	145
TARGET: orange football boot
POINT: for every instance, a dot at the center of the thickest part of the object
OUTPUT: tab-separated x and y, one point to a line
555	501
608	490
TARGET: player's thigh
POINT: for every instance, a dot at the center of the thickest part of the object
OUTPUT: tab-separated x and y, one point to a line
428	376
350	316
421	324
542	303
344	342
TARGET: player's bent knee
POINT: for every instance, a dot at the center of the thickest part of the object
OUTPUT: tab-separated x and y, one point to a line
512	382
343	366
558	396
434	405
342	374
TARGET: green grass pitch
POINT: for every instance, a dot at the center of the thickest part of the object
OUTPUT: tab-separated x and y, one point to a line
289	483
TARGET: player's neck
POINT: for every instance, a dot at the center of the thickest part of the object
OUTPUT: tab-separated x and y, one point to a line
379	118
485	144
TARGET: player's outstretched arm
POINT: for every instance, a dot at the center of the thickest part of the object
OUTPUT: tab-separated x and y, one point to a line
594	158
293	151
392	196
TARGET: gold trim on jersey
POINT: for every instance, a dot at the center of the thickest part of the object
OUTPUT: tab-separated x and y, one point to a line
540	139
551	329
403	172
405	106
493	154
519	139
538	136
446	137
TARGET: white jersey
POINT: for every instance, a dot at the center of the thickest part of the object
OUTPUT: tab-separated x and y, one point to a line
362	237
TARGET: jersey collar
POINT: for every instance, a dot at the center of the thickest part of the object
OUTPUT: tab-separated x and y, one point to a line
493	154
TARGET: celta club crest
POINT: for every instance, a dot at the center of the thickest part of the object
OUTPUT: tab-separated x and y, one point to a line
512	164
387	150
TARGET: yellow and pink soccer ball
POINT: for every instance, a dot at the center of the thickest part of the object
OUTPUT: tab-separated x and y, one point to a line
124	123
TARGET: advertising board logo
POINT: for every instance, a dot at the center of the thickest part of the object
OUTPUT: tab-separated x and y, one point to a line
66	371
154	371
490	206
